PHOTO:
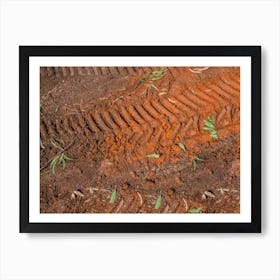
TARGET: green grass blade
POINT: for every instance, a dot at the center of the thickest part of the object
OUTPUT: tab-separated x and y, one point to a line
61	158
214	134
113	196
41	144
162	70
208	123
63	163
153	155
66	157
157	74
156	78
197	158
196	210
158	202
194	164
54	162
182	146
55	145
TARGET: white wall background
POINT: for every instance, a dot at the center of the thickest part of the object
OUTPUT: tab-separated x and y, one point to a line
146	256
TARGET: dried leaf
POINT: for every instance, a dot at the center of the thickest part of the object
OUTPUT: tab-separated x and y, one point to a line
121	97
141	199
186	205
92	189
171	100
78	193
153	86
209	193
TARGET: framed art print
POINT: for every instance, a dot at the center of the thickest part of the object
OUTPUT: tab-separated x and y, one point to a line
140	138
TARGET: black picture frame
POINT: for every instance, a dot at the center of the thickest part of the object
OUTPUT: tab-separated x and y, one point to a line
25	52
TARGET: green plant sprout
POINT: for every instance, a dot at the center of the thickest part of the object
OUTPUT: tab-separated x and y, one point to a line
158	202
154	76
60	158
196	210
41	144
182	146
194	162
210	126
153	156
113	196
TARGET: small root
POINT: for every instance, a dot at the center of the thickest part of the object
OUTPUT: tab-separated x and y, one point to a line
198	70
186	205
141	199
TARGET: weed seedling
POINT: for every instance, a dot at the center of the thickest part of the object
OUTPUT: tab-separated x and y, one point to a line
154	76
113	196
153	156
194	162
158	202
210	126
60	158
196	210
41	144
182	146
157	75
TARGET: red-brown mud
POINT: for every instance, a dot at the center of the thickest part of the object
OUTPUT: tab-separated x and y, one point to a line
108	119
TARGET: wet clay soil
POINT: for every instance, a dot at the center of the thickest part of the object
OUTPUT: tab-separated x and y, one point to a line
107	120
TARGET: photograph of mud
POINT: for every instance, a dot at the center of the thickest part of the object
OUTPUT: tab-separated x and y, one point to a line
140	140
